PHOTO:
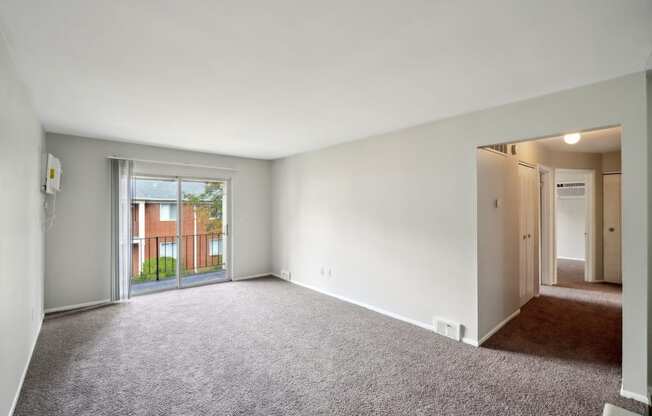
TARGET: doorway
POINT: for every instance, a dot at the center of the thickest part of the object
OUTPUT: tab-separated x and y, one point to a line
574	218
542	203
179	233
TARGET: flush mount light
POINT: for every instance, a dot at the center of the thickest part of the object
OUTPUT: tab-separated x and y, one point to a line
572	138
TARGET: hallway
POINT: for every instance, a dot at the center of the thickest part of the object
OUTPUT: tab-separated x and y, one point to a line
574	322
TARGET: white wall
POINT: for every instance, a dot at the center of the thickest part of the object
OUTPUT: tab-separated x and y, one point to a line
395	215
648	91
648	77
21	245
571	221
571	226
79	243
498	180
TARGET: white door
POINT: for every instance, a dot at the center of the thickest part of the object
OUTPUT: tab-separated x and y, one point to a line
527	225
611	228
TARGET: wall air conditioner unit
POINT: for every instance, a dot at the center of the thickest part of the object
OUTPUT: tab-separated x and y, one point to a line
52	174
571	190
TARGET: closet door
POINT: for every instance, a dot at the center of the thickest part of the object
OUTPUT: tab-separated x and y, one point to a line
527	226
611	228
531	229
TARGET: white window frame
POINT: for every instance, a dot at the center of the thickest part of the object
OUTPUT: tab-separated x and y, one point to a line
165	252
167	210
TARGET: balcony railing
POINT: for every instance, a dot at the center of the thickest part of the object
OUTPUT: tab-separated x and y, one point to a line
156	257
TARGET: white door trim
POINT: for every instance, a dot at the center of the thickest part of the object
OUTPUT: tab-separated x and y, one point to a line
547	238
589	241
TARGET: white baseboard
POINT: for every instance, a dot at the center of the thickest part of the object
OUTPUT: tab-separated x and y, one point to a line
381	311
253	276
635	396
77	306
22	377
466	340
367	306
500	325
471	341
570	258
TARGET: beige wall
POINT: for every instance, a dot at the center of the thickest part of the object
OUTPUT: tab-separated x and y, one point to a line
611	162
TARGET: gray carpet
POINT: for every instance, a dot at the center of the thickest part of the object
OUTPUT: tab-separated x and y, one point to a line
267	347
570	271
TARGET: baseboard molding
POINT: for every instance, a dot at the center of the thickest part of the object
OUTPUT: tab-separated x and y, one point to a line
570	258
253	276
77	306
29	360
635	396
470	341
366	306
500	325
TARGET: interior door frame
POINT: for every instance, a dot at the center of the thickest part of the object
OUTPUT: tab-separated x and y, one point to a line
547	226
589	217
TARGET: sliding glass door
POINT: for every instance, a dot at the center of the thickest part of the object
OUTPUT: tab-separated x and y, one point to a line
203	232
179	233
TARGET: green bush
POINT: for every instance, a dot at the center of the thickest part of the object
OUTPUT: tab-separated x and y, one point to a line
167	267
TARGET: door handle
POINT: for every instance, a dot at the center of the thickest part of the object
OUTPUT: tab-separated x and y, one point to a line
612	229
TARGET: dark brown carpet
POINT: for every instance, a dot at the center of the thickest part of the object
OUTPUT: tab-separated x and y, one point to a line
267	347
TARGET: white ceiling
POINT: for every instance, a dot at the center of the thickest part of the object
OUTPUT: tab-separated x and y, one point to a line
271	78
596	141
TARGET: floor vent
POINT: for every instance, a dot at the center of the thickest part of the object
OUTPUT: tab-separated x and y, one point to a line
448	329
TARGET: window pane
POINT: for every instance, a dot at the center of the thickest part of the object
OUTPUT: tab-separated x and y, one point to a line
155	251
215	248
168	250
168	212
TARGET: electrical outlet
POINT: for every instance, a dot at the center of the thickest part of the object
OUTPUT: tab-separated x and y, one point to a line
285	274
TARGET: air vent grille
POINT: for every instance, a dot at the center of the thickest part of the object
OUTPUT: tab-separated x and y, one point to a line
508	149
570	190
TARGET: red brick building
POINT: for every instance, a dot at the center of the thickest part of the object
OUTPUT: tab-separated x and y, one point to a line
200	247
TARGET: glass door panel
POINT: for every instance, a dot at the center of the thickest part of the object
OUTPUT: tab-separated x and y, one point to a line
203	232
155	250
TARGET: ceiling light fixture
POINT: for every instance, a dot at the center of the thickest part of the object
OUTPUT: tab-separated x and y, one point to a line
572	138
